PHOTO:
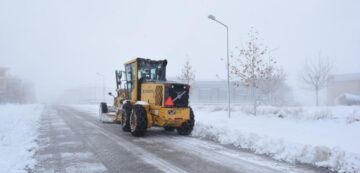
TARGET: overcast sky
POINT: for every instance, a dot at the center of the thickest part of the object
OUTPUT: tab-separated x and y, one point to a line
64	44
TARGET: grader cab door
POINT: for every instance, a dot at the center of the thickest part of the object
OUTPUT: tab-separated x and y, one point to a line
131	80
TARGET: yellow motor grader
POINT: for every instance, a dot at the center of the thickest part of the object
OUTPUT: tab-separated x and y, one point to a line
147	99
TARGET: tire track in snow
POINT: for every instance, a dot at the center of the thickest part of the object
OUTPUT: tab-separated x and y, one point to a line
207	151
144	155
228	157
216	154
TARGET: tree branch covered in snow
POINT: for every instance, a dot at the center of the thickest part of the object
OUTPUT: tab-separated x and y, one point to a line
274	88
187	73
316	75
252	67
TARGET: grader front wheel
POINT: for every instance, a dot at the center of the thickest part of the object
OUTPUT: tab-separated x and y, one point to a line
138	122
125	121
125	117
188	126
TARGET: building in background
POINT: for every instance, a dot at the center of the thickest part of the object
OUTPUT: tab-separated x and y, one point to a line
203	92
344	89
216	92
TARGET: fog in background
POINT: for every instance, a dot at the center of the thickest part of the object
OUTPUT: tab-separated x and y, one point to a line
59	45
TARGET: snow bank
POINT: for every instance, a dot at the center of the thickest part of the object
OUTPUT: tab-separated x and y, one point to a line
18	131
349	99
292	138
341	114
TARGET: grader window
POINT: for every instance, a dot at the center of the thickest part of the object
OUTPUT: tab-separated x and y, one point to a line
151	70
129	70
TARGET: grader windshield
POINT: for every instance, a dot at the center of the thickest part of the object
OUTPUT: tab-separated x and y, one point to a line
149	70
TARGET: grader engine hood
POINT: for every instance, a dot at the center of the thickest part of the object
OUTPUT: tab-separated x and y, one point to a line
176	95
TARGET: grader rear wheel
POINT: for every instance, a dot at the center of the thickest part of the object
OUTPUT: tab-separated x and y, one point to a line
138	122
188	126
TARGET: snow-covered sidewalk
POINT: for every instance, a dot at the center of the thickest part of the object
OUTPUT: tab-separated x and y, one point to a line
326	137
18	131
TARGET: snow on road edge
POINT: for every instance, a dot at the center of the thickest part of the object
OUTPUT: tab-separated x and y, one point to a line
18	133
328	144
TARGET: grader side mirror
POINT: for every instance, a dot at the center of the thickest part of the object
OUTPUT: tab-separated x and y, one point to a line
110	94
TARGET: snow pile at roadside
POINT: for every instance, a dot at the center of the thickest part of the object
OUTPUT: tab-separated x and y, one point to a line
320	142
18	131
349	99
343	114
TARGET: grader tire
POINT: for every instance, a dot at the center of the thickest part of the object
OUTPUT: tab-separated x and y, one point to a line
138	123
125	117
103	109
188	126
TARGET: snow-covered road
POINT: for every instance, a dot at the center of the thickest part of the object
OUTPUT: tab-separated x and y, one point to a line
74	141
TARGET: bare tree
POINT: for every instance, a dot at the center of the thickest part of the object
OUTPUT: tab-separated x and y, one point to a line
316	75
250	67
187	73
271	86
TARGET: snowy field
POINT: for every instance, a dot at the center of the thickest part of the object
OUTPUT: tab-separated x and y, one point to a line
321	136
18	131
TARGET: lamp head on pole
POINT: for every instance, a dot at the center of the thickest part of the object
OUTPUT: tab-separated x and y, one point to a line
212	17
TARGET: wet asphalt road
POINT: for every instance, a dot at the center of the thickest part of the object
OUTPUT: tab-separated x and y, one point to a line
72	141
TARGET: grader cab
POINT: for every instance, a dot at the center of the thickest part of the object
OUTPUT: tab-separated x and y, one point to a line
147	99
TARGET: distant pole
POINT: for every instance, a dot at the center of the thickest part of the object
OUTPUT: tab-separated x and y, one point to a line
103	85
212	17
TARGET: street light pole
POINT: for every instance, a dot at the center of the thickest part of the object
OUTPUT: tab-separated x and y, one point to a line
212	17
